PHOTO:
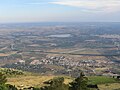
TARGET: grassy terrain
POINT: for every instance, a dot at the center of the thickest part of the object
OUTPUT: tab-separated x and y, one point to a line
85	51
27	79
37	81
105	83
109	86
77	51
101	80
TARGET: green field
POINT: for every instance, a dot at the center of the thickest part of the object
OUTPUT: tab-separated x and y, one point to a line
105	83
102	80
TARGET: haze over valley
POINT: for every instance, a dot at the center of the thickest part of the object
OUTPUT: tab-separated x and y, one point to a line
61	49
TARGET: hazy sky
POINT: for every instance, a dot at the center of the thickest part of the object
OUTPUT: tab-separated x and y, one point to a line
59	10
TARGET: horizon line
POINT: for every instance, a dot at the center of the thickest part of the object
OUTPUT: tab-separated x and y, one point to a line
61	22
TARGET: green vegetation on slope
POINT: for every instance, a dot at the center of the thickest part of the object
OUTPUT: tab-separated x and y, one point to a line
10	72
3	85
102	80
40	82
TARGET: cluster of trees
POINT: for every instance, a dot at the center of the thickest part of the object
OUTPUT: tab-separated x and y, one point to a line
80	83
55	84
3	85
8	71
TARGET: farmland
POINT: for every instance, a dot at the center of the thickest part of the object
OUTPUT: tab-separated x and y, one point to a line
61	50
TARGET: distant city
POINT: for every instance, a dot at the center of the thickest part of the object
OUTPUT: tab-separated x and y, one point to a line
61	48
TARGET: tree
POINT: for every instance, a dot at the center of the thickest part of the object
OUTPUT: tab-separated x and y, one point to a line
3	79
4	86
55	84
79	83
